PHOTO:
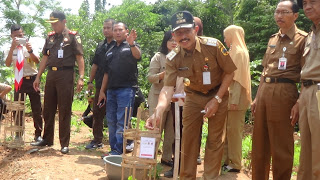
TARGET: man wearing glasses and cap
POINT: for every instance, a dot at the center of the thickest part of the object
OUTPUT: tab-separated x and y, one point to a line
208	71
62	48
275	107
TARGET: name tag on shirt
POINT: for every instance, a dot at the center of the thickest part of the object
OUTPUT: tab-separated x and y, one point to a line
206	78
60	53
282	63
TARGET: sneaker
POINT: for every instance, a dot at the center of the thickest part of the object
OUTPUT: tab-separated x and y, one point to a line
129	147
94	145
230	169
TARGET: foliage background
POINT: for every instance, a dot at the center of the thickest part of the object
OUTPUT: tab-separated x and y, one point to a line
150	21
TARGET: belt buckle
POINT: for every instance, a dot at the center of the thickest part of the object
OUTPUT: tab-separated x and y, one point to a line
27	77
54	68
268	80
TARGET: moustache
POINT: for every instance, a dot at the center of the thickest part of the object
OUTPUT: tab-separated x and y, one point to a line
184	39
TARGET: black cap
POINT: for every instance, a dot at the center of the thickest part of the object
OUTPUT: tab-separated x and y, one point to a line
56	16
182	19
300	4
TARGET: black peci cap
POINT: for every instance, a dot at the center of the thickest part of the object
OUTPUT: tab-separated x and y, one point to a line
56	16
182	19
300	4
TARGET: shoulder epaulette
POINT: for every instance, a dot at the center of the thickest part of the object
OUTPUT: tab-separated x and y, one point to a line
303	33
273	34
51	33
73	32
173	53
208	41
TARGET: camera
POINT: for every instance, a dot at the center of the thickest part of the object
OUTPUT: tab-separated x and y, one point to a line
22	41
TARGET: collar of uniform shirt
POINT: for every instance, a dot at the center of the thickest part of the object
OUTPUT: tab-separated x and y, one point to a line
198	48
291	32
315	28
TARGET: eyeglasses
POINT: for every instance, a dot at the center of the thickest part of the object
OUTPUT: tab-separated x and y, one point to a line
183	31
171	40
284	13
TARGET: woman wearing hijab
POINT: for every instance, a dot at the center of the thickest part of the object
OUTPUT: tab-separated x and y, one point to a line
239	97
155	76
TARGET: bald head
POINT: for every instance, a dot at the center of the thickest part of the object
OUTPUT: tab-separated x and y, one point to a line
198	22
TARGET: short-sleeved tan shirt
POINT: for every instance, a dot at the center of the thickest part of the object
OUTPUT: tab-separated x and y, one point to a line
293	43
311	69
69	42
209	55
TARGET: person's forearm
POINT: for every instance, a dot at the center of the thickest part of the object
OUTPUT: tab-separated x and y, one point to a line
104	83
226	81
93	71
34	58
80	63
136	53
235	89
9	57
164	98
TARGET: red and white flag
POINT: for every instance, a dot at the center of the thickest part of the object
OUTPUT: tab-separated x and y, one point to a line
18	70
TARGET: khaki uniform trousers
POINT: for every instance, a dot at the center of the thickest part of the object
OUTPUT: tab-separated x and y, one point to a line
309	124
58	93
273	133
98	116
192	121
232	155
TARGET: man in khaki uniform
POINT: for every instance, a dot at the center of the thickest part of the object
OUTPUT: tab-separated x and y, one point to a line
61	49
275	108
208	71
309	121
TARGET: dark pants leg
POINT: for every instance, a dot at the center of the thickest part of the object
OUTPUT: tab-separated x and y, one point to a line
98	115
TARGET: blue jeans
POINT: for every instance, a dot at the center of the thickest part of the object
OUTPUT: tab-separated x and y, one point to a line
117	101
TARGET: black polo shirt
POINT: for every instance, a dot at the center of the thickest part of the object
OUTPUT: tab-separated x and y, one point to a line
99	58
121	67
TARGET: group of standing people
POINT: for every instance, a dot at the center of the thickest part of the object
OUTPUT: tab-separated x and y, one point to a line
217	87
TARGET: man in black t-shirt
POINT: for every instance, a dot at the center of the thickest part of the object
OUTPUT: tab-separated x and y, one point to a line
120	80
96	74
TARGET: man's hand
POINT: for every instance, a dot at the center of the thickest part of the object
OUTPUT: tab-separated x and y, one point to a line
28	46
131	37
253	106
36	83
153	122
102	98
294	114
79	85
14	43
211	108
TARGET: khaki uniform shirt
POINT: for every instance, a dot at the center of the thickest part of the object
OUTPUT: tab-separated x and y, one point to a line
69	42
29	66
209	55
311	69
293	41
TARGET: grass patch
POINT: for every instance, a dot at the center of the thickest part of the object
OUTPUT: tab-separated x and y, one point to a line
79	105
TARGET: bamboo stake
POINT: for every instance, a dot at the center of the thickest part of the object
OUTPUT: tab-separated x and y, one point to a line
177	141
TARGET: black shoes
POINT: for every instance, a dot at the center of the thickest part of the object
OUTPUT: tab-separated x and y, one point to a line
199	160
41	143
38	139
227	168
169	174
167	163
64	150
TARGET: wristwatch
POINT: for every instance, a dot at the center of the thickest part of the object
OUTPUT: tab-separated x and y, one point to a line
89	82
31	51
133	45
218	99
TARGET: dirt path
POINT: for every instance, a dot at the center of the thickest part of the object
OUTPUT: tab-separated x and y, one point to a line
49	163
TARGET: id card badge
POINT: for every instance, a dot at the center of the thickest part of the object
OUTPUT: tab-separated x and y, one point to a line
60	53
206	78
282	63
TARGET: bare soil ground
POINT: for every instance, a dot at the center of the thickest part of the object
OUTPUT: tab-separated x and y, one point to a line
49	163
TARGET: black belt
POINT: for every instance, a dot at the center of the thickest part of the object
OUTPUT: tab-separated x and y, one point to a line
307	83
278	80
54	68
30	77
206	92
